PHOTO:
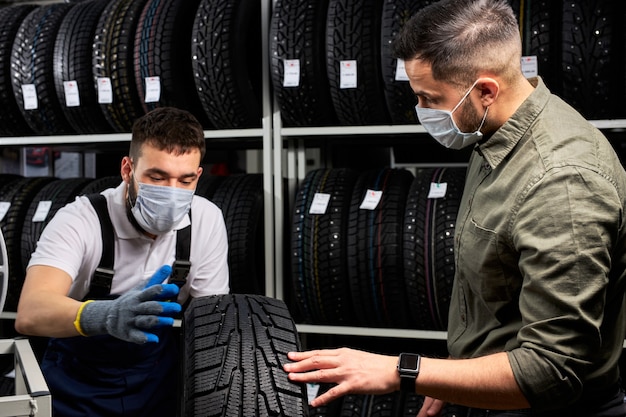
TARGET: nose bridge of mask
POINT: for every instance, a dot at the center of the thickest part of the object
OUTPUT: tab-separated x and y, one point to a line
467	93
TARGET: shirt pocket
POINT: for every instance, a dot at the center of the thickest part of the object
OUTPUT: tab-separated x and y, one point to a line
486	265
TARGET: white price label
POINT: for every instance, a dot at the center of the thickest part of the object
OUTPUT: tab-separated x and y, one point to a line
153	89
105	90
42	210
401	74
4	208
311	391
347	74
319	204
29	93
72	98
438	190
371	200
530	66
291	73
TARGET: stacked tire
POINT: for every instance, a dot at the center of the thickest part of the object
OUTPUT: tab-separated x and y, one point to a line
578	45
375	248
95	66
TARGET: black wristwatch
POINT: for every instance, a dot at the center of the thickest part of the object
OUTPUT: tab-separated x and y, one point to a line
409	369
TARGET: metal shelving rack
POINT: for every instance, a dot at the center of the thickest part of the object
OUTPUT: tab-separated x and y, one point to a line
283	155
32	397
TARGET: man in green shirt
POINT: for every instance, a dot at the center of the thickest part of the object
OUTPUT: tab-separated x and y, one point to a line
537	314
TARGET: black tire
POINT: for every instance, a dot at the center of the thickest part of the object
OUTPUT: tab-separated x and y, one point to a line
541	38
58	193
320	277
235	347
113	57
375	252
396	404
226	51
240	197
73	62
353	33
592	72
429	225
100	184
33	63
208	184
162	48
398	94
12	122
297	31
18	193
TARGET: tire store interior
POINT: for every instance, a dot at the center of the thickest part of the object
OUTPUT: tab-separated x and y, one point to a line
285	125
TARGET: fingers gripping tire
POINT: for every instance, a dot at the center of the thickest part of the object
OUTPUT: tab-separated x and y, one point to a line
235	347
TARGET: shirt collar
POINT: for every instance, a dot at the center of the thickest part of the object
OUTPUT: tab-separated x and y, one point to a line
497	147
122	225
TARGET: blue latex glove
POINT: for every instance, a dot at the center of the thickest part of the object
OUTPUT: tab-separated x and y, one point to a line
130	315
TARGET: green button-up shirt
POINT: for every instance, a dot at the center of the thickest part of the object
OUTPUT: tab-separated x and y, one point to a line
540	254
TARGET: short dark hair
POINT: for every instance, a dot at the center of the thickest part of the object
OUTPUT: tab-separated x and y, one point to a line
170	129
461	38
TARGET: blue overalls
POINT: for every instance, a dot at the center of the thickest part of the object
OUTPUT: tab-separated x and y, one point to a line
102	376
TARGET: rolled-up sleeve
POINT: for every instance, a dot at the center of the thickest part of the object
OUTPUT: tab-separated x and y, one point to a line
564	232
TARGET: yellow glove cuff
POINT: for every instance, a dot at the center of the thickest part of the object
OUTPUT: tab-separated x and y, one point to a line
77	320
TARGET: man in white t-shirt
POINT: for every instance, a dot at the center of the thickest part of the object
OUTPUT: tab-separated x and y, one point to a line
113	352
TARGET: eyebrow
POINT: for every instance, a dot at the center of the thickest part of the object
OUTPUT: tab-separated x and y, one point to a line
424	94
167	174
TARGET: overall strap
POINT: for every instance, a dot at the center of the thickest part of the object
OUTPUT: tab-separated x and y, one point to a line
182	265
100	286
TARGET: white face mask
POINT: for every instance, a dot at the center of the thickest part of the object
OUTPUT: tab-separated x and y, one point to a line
440	125
158	209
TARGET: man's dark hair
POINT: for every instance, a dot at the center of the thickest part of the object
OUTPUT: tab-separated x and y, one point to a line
167	128
462	38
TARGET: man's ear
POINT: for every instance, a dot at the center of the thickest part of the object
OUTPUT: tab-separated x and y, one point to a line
489	89
126	169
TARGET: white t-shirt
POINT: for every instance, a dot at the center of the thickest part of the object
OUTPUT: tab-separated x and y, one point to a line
72	241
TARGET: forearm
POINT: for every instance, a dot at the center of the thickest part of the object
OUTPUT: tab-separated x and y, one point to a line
48	315
486	382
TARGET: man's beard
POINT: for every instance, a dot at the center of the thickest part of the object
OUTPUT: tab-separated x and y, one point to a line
130	203
470	120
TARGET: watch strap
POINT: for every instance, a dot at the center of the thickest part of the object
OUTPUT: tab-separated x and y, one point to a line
407	383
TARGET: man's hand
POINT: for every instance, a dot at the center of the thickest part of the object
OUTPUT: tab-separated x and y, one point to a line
354	372
129	316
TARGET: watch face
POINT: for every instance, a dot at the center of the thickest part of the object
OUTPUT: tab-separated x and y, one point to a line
409	362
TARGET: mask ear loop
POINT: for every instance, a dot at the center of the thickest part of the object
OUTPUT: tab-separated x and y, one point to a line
483	121
464	97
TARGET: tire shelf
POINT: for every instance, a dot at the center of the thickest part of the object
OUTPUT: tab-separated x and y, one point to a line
372	332
117	137
401	129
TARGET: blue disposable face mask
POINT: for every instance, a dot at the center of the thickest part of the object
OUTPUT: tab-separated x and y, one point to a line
158	209
440	125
